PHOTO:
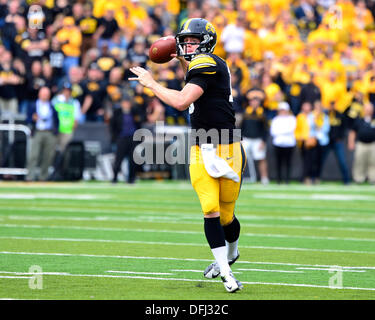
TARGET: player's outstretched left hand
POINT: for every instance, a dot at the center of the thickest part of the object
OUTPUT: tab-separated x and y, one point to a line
144	77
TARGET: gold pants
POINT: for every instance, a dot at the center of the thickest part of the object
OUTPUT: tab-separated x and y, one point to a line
218	194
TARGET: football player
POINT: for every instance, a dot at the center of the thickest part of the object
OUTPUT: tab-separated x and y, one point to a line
207	94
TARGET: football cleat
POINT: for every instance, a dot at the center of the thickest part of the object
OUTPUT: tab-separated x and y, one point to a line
213	270
231	284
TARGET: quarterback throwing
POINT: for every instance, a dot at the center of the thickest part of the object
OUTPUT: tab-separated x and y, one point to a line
217	158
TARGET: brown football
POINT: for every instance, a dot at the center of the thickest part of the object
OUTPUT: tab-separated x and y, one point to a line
161	50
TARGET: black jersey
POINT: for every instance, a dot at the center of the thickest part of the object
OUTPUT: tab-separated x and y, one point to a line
214	108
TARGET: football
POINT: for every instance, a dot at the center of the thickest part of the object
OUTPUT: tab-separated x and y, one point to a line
161	50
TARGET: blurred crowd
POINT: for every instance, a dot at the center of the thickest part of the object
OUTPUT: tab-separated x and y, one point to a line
311	61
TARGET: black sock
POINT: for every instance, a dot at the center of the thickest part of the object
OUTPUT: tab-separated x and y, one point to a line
232	230
214	232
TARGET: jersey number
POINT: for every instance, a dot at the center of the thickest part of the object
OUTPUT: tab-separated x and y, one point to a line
230	86
191	108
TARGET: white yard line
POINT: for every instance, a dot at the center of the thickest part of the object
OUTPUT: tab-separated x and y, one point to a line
26	226
135	272
59	196
314	197
256	187
106	218
182	219
187	270
13	277
267	235
181	244
329	269
171	210
34	273
203	280
177	259
266	270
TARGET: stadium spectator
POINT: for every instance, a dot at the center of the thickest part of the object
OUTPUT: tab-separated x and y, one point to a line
324	37
363	16
161	17
302	134
34	81
233	36
69	113
15	36
45	20
310	92
254	129
301	77
77	13
136	54
88	25
94	94
91	56
355	109
350	65
20	67
238	97
333	91
75	78
35	45
123	124
317	143
55	56
282	130
106	61
62	7
10	78
361	140
337	136
141	102
137	11
70	38
68	110
51	81
119	46
115	89
238	67
12	11
361	52
8	21
308	16
274	95
107	27
44	121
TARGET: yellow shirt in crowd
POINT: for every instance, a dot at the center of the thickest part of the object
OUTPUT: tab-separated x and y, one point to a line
302	131
72	34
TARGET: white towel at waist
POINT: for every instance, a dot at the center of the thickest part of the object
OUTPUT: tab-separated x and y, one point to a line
215	166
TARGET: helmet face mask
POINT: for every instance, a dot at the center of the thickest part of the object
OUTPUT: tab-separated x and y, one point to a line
200	29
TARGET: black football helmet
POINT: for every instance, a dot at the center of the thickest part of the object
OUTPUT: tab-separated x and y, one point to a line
198	28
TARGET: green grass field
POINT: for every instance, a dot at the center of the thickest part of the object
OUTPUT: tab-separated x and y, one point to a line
95	240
